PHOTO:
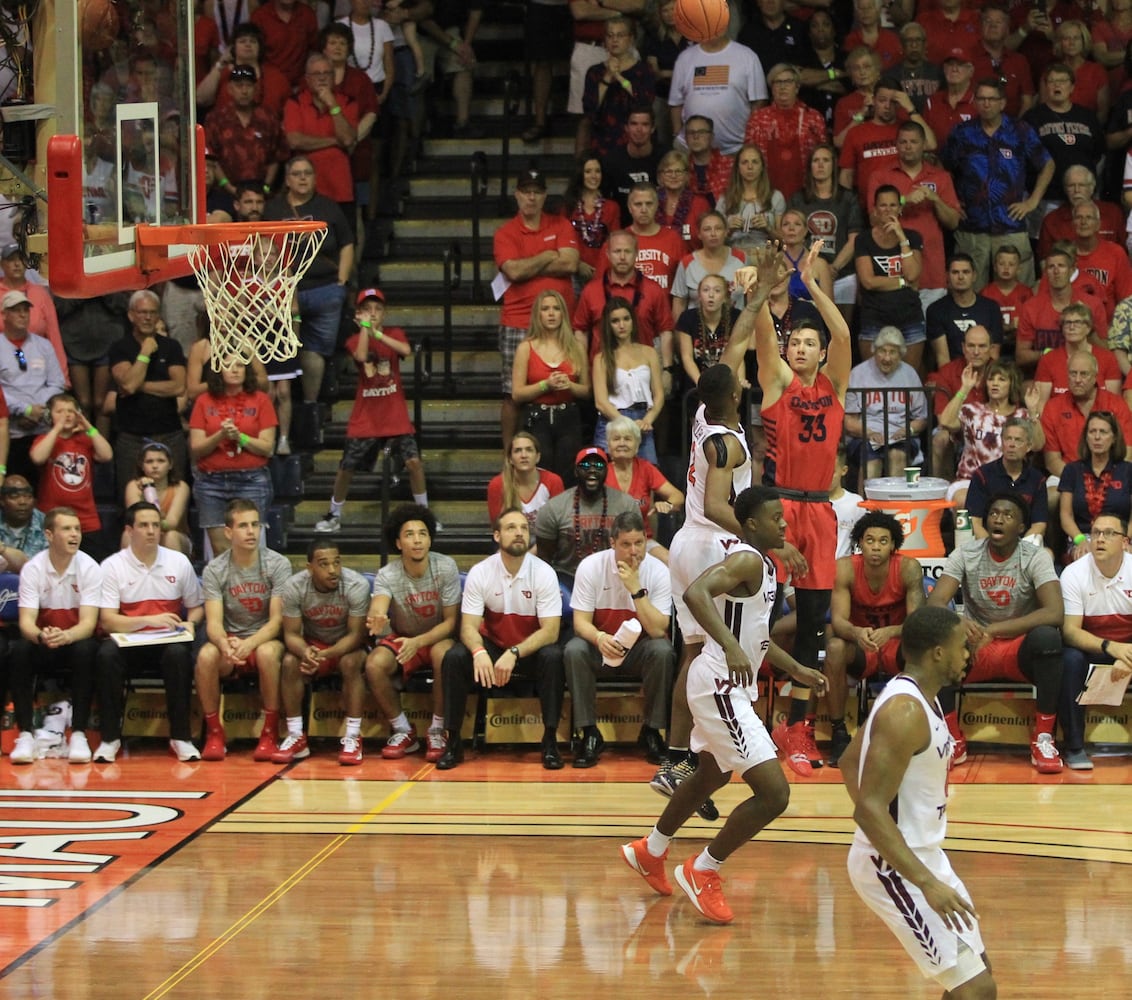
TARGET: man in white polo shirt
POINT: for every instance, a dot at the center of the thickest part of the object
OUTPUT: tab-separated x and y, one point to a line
510	616
621	585
147	587
60	591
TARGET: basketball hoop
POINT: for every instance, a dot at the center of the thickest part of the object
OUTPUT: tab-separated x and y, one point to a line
248	273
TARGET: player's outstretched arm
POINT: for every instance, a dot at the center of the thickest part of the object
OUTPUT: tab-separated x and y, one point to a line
839	357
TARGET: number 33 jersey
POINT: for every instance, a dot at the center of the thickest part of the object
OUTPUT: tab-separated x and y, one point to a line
803	429
994	590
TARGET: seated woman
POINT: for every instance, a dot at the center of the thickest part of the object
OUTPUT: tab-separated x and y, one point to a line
713	257
522	483
626	377
158	482
885	413
982	423
231	437
1099	482
642	480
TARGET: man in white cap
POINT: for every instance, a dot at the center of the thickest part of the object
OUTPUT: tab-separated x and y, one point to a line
29	376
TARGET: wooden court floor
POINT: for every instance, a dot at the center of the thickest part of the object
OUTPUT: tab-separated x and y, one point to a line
151	879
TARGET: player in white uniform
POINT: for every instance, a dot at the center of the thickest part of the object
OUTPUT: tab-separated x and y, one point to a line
896	773
732	602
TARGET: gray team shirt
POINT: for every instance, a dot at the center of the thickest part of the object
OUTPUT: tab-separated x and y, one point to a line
246	593
996	591
326	616
417	605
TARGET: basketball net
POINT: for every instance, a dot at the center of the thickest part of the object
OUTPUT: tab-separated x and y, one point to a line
249	286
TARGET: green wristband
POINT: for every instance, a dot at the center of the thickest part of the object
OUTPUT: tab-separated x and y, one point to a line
1078	539
92	432
143	358
336	110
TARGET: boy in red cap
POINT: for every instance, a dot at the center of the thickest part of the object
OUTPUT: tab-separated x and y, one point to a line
381	413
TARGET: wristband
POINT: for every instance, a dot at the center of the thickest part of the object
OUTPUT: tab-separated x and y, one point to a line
28	410
378	335
243	439
267	189
832	73
476	652
627	85
906	256
3	472
543	385
858	118
901	283
223	182
365	323
1104	647
1022	32
92	432
336	110
143	358
454	44
296	317
905	243
1079	538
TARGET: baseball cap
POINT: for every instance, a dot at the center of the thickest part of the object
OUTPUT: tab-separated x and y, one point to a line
531	177
370	293
243	73
957	55
13	299
591	452
10	250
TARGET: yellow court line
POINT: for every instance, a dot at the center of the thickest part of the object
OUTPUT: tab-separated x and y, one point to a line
276	894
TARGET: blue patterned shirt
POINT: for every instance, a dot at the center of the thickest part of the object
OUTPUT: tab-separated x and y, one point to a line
990	172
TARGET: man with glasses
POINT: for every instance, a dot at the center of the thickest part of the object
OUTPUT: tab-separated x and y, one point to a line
1064	416
1052	374
1105	260
149	373
323	123
1080	184
22	534
709	169
989	157
29	376
786	130
993	58
1097	591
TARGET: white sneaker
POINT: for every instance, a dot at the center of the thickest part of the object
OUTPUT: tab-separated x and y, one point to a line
107	751
329	524
49	743
24	750
184	750
79	750
283	447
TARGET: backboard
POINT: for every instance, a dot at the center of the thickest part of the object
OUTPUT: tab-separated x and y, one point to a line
117	145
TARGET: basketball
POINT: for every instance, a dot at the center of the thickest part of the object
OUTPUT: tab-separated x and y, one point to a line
701	20
98	21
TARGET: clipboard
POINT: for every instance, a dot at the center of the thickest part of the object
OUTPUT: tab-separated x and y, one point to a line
153	637
1101	688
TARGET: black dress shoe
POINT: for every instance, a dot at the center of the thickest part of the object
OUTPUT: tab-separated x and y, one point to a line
551	758
655	749
590	750
453	755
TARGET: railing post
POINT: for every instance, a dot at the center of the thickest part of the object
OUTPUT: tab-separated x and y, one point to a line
422	375
386	474
511	88
478	175
452	262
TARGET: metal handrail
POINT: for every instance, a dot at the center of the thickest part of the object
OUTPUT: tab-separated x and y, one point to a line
512	88
925	436
422	376
478	177
453	258
386	491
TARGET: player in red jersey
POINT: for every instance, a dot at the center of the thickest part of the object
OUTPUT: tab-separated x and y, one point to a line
803	410
872	595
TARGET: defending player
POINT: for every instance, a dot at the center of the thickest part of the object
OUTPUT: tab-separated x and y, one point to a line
896	773
732	602
802	411
873	594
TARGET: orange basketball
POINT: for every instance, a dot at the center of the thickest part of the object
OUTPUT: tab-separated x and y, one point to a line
701	20
98	24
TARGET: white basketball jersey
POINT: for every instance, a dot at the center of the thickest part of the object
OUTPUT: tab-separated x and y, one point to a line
748	619
920	807
698	468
